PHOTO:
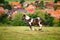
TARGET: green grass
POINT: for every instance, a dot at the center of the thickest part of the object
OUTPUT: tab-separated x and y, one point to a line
23	33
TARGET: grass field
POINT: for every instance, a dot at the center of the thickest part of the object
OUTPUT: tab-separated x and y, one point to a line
23	33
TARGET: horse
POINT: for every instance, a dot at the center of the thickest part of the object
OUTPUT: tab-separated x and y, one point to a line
32	21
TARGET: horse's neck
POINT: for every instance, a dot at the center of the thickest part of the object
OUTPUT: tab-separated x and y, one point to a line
27	17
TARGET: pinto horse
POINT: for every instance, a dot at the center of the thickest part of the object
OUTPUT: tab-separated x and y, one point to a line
32	21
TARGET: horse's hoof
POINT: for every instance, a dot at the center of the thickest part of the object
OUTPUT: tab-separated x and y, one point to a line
40	29
35	29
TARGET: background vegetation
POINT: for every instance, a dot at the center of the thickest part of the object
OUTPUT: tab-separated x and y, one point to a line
30	0
17	19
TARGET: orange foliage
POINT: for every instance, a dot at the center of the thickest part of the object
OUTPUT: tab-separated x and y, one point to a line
30	8
14	3
55	13
1	10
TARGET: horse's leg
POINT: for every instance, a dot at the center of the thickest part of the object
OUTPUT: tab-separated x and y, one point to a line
40	25
30	26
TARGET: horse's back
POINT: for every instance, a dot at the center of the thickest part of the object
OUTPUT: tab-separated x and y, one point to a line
35	21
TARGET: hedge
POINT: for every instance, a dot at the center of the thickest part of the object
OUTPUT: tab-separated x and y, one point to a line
17	19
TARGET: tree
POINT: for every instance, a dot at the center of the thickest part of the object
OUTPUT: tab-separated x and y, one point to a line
7	6
2	1
56	1
49	20
22	1
41	4
56	6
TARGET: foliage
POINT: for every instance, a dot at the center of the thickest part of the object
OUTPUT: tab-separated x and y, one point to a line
3	19
7	6
27	0
55	1
56	6
17	20
34	15
38	14
56	22
2	1
49	20
41	4
22	1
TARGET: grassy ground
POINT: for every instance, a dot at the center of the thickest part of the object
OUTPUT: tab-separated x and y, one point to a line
23	33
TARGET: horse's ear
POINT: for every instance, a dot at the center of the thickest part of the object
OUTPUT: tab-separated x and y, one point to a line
24	14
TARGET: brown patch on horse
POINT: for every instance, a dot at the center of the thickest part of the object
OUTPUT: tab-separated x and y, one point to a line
35	22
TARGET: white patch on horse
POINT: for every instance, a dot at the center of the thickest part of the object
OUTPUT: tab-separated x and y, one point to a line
40	25
27	17
38	18
31	21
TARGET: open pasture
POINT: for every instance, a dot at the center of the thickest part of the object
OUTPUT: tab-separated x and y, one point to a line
23	33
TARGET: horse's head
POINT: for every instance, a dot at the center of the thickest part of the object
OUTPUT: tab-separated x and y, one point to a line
23	17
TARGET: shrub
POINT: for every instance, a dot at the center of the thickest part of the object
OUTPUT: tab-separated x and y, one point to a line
7	6
41	14
56	22
55	1
2	1
17	20
49	20
56	6
3	19
41	4
38	14
34	15
22	1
